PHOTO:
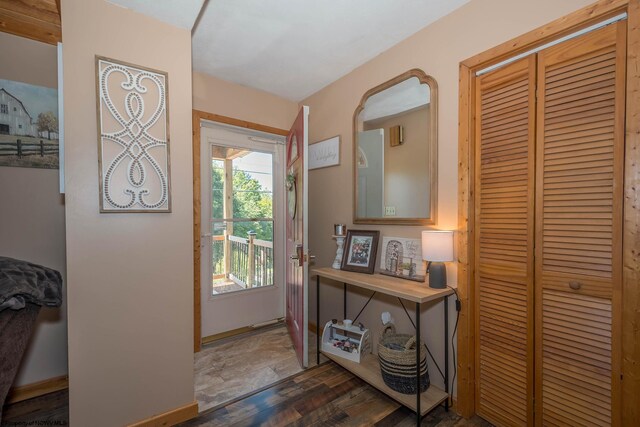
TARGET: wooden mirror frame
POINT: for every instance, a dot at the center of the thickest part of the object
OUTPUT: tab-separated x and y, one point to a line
433	151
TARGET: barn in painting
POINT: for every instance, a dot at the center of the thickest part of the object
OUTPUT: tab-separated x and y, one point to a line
14	117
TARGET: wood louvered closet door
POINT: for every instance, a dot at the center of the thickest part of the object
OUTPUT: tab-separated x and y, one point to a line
505	114
580	150
549	168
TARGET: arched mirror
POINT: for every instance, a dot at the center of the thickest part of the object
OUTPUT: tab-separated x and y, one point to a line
395	134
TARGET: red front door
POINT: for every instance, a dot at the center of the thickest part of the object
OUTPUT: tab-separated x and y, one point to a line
297	276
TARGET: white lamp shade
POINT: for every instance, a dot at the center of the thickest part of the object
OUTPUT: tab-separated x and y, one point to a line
437	245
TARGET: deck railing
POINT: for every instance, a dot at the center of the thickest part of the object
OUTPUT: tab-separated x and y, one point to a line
217	256
250	261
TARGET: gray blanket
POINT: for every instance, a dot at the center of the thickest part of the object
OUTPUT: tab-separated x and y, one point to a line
22	282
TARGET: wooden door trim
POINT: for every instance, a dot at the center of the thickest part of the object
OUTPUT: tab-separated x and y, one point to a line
568	24
631	229
197	117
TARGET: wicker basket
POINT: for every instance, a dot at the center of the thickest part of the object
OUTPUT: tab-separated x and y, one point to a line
398	367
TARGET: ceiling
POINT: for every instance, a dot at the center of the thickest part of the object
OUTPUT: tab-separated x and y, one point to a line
182	13
292	48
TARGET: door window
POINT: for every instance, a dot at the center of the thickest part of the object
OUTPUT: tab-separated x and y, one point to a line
241	219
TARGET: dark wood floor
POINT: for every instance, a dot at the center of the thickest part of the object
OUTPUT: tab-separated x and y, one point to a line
326	395
323	396
48	410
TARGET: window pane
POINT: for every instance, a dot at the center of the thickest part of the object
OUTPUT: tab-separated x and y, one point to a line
249	248
241	251
253	186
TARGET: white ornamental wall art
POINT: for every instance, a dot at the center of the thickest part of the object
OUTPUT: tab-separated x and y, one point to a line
133	138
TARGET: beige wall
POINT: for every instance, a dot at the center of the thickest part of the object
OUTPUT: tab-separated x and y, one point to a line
216	96
32	214
130	276
437	49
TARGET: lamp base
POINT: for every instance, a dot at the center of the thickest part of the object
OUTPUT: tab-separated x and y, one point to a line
437	275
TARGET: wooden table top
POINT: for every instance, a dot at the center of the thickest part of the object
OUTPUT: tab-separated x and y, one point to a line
405	289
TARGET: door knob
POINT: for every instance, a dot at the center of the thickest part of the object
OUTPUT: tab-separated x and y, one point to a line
294	257
575	285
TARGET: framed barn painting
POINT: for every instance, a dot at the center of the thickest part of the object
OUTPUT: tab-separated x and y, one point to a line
133	137
28	125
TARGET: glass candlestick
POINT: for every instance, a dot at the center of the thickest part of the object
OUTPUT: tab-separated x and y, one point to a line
338	261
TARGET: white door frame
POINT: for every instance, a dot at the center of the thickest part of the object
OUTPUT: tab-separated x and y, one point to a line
234	310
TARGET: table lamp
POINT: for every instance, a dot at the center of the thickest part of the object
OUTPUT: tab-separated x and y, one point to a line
437	248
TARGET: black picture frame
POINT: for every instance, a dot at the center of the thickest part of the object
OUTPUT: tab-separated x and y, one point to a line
360	251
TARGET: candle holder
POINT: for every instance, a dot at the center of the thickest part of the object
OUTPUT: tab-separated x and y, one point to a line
337	262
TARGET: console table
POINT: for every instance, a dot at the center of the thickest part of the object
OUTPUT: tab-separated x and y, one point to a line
369	368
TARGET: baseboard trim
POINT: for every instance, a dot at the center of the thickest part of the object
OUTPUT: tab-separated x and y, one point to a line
454	405
40	388
170	418
228	334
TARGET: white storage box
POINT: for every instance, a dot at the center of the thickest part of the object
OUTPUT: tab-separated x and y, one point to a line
335	336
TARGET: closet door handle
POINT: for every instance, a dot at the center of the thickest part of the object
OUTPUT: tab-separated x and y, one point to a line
575	285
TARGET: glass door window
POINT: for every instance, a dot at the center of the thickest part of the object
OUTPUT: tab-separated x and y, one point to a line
242	252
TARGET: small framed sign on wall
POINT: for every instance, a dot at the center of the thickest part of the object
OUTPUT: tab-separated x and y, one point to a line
324	153
133	137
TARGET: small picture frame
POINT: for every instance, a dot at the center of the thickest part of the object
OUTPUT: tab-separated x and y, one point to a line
360	251
402	257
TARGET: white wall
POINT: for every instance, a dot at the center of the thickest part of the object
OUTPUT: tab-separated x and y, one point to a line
32	214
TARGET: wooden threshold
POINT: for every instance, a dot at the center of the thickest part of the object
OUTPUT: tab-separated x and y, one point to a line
368	370
40	388
239	331
324	365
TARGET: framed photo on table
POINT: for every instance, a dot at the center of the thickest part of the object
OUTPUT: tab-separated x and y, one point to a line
360	250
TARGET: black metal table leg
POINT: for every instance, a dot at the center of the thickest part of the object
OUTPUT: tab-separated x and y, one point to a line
344	301
418	410
446	351
317	320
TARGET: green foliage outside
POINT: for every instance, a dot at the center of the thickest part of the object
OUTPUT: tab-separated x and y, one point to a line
250	200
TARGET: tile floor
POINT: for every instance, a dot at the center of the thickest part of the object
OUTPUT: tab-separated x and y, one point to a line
232	368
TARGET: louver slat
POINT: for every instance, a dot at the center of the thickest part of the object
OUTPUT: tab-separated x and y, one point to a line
578	221
504	242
